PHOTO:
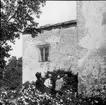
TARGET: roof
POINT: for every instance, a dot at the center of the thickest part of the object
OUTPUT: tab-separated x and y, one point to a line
49	27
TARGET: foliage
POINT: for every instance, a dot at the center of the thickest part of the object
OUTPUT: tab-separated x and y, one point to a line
13	73
16	16
1	76
29	95
72	80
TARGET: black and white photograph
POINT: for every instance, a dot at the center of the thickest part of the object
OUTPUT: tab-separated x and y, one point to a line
52	52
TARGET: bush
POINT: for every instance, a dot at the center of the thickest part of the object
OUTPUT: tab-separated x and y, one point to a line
71	82
30	95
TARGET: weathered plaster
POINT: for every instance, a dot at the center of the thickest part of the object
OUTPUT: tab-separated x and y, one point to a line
91	16
63	52
83	46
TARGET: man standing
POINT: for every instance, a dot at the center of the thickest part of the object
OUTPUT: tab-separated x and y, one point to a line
48	84
39	82
59	84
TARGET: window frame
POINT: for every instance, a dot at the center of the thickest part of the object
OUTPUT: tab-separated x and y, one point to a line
42	56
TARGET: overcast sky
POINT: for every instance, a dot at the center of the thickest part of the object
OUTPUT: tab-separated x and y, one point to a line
53	12
57	11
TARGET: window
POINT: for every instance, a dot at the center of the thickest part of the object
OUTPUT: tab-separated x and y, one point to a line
43	53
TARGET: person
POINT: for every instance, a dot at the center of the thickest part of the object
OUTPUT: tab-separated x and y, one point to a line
48	84
39	82
53	80
59	84
65	81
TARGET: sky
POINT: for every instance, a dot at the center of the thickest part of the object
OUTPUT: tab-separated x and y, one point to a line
53	12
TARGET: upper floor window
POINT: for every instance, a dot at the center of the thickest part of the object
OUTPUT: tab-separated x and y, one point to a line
44	52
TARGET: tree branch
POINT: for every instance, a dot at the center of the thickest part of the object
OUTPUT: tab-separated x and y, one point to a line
14	14
11	17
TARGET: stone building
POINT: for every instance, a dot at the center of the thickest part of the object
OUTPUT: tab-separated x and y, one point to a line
54	48
79	44
91	28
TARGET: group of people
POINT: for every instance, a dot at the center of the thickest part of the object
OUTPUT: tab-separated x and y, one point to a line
51	85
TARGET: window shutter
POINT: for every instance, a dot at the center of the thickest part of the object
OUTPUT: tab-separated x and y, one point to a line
41	51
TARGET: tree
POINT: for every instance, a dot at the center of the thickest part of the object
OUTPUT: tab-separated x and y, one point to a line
16	16
13	73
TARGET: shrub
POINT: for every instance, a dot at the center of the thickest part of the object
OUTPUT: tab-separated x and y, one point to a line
30	95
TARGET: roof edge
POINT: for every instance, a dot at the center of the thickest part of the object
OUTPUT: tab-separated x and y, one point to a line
58	24
71	23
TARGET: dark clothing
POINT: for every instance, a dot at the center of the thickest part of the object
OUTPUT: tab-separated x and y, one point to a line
47	90
53	80
59	92
40	85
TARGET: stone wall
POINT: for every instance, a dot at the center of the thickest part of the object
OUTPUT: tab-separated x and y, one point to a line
63	51
91	21
83	46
